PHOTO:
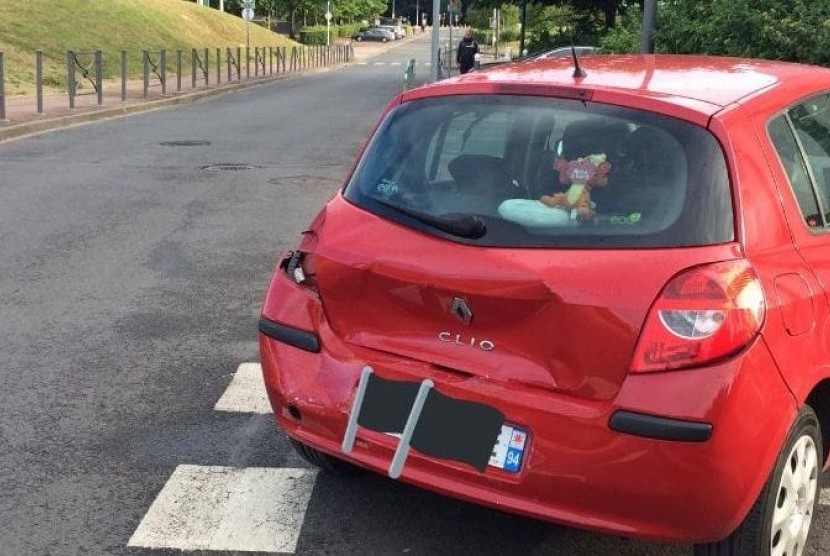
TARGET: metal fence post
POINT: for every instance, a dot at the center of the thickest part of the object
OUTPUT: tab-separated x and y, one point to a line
192	68
39	81
123	76
2	88
207	67
239	63
146	56
163	76
218	66
70	62
247	62
99	76
178	71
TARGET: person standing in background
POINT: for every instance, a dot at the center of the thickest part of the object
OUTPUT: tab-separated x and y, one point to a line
467	50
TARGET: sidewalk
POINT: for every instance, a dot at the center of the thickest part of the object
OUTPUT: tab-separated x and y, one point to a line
21	110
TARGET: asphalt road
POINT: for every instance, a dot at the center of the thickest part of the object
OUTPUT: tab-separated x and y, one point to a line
135	254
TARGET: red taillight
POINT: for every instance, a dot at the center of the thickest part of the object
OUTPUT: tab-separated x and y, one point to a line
703	314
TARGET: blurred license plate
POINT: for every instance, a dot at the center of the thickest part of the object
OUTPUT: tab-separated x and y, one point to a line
508	453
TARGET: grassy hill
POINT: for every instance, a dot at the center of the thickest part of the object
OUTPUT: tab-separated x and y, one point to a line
55	26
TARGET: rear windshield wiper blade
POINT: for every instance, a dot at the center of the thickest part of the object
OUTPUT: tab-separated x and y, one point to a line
460	225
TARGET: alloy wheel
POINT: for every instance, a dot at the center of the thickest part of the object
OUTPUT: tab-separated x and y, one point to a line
795	500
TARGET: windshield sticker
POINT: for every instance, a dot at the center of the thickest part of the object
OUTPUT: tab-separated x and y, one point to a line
387	189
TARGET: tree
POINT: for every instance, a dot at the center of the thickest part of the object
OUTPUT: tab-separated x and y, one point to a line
792	30
609	8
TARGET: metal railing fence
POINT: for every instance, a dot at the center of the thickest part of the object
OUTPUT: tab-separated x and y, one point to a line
85	70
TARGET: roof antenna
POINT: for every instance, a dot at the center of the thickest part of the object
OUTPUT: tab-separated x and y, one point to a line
578	71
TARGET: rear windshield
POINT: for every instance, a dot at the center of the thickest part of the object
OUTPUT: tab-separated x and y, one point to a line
514	171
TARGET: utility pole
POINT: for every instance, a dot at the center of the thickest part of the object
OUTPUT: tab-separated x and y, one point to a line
522	33
436	31
328	23
649	19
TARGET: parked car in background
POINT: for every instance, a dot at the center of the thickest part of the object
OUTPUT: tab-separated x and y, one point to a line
374	34
565	51
396	30
599	299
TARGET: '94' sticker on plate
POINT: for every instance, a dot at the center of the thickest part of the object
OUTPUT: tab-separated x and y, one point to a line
509	450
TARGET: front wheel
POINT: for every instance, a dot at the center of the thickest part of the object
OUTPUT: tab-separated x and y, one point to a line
384	39
358	39
779	522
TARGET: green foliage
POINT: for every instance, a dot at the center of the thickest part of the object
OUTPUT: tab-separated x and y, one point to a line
511	16
355	10
316	34
479	18
347	29
625	37
794	30
551	26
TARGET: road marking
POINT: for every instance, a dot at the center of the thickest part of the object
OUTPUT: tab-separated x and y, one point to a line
246	392
396	64
824	497
363	63
380	63
253	509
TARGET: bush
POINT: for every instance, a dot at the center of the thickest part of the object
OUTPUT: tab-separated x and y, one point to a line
508	35
793	31
315	34
348	29
625	37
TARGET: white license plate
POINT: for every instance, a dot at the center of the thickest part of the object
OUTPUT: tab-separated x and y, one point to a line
508	453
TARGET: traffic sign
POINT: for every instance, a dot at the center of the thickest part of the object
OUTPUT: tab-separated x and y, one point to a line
248	4
247	14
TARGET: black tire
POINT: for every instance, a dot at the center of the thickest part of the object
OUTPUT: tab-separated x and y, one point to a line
358	39
754	536
383	39
324	461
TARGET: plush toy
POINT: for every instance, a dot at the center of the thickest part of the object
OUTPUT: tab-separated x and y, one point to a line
581	175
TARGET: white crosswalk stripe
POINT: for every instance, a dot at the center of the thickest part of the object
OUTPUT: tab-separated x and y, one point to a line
211	508
246	393
223	508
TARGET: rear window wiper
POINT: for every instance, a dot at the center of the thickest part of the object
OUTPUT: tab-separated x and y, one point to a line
460	225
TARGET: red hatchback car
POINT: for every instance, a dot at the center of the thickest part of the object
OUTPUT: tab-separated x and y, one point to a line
599	299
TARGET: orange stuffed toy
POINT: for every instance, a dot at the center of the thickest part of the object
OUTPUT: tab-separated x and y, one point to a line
581	175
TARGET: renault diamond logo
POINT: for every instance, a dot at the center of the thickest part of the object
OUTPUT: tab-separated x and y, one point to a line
461	310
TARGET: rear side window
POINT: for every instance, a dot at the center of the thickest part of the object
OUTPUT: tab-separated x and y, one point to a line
802	139
513	171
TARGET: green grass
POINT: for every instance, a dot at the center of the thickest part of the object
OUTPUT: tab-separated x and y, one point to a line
56	26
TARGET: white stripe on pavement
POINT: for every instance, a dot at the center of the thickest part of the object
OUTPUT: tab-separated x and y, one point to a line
253	509
246	392
824	497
